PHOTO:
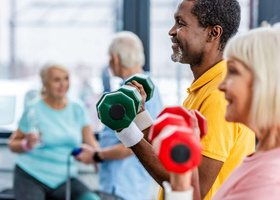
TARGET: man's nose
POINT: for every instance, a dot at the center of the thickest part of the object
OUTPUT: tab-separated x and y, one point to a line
172	31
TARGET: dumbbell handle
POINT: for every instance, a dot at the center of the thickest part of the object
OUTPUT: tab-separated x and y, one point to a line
145	81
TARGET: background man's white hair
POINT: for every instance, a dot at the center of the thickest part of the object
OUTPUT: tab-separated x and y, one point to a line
129	48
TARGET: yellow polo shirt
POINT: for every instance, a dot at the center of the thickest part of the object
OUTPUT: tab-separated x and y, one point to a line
226	142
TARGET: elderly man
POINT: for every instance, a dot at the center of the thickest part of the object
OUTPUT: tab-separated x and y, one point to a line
120	172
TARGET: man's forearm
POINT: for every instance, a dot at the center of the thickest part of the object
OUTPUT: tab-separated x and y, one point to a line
133	138
146	155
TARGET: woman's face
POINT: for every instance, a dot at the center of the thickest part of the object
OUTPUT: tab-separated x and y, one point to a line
237	86
57	83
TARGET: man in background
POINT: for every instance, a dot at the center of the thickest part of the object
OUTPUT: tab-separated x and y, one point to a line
120	172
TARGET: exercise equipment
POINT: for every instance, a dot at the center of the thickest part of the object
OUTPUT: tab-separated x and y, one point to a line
178	149
76	151
179	110
202	123
118	109
132	93
175	141
164	120
145	81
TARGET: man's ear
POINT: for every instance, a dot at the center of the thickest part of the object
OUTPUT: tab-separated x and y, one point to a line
214	33
115	60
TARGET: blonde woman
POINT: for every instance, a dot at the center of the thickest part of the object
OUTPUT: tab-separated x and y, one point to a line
41	170
252	90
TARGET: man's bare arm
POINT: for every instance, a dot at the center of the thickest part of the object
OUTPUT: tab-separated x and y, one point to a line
208	172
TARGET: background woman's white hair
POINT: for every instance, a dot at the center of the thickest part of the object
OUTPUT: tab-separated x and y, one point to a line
259	50
129	48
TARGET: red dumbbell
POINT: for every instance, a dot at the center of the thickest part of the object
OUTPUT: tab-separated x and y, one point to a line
179	110
202	123
178	148
162	121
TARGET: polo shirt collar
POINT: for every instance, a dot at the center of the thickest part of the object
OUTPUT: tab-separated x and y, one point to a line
207	76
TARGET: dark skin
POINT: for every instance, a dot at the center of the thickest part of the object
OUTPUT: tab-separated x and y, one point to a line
146	154
200	46
200	49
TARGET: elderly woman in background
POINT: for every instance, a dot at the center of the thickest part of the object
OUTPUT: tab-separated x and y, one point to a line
41	167
252	88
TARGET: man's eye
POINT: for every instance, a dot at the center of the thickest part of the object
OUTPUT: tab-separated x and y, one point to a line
232	71
179	23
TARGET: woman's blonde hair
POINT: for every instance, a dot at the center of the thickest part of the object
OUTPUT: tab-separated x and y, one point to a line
44	72
259	50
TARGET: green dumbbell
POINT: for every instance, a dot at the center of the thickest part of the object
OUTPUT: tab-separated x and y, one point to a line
134	94
98	102
118	109
129	91
145	81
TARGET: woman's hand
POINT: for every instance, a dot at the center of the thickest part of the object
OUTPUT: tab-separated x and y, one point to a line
32	139
180	187
86	156
181	182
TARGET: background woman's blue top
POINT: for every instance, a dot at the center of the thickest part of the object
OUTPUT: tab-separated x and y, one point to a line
61	132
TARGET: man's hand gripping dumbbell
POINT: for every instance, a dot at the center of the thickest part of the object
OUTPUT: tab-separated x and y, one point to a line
121	109
174	136
124	109
133	137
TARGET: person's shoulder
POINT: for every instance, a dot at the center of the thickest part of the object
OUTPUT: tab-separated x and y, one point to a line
265	167
34	103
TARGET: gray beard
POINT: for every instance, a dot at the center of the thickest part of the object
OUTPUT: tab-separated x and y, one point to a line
177	57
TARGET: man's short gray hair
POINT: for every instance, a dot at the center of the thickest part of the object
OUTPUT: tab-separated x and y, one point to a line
128	48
